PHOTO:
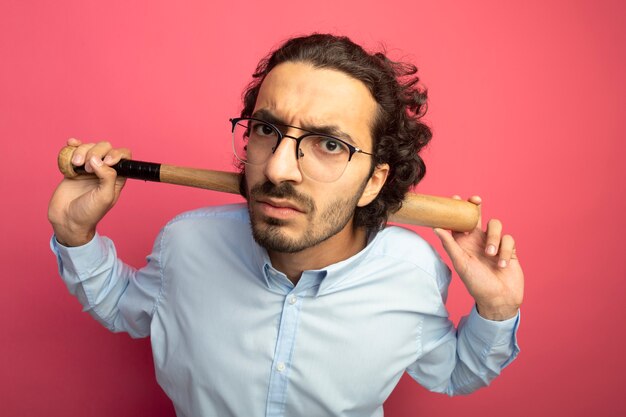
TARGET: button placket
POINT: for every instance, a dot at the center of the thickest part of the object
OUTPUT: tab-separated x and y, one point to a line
279	377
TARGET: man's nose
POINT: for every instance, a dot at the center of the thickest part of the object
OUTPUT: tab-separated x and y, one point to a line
283	165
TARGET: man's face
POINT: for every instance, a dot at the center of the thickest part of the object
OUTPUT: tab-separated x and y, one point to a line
290	211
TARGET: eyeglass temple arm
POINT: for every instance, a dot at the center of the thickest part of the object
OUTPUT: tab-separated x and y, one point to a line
417	209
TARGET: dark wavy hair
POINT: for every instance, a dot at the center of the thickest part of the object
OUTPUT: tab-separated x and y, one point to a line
398	133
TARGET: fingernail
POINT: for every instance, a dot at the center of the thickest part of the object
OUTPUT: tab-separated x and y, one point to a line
108	159
96	161
491	250
502	263
77	159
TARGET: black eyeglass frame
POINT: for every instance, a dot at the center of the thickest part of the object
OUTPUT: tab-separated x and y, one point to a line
353	149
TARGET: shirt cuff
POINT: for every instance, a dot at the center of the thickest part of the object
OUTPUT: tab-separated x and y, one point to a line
492	332
78	260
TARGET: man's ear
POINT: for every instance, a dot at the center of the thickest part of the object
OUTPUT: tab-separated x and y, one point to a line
374	185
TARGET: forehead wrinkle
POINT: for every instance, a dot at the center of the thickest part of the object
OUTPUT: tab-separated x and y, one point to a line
292	92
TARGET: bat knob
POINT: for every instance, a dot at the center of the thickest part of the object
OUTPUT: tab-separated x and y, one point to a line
65	162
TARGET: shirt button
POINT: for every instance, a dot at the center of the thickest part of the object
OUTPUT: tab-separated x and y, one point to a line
280	367
293	300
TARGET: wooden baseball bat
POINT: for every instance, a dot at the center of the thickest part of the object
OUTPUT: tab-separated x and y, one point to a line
417	209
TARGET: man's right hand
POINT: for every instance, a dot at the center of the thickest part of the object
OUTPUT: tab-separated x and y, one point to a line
78	204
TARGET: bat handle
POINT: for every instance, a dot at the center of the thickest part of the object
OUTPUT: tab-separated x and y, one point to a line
147	171
222	181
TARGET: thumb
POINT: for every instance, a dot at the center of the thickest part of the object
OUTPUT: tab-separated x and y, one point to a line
104	194
449	244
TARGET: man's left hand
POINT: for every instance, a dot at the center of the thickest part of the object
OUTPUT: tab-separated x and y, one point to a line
488	266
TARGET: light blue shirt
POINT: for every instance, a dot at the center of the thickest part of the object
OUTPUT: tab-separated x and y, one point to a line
232	336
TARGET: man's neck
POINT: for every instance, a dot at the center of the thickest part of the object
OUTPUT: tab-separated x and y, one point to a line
339	247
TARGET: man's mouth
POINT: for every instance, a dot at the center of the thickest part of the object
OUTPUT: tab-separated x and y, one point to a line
280	202
283	209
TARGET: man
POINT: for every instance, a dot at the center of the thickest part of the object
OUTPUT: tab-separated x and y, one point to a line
301	303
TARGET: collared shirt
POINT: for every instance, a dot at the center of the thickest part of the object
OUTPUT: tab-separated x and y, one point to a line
232	336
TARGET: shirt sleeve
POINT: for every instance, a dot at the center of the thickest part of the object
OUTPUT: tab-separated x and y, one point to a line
120	297
459	361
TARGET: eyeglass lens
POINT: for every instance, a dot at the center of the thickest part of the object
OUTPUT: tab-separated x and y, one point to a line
322	158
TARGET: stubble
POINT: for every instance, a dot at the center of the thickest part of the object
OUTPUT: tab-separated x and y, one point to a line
269	232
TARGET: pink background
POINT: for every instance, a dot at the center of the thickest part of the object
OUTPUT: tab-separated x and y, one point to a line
527	106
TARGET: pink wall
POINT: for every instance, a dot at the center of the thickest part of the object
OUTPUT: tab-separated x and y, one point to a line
527	106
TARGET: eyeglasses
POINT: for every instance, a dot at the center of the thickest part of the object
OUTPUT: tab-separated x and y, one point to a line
320	157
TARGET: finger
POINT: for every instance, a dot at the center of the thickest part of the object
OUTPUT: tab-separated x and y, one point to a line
494	233
73	142
80	154
475	199
507	247
115	155
98	150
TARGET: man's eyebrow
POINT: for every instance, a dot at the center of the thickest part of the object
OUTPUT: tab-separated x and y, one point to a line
330	130
267	116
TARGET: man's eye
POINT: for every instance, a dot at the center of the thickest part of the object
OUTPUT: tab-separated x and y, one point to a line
262	129
330	145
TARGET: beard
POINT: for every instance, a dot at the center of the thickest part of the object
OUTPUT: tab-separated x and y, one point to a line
268	232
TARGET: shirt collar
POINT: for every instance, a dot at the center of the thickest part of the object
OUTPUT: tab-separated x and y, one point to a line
313	282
